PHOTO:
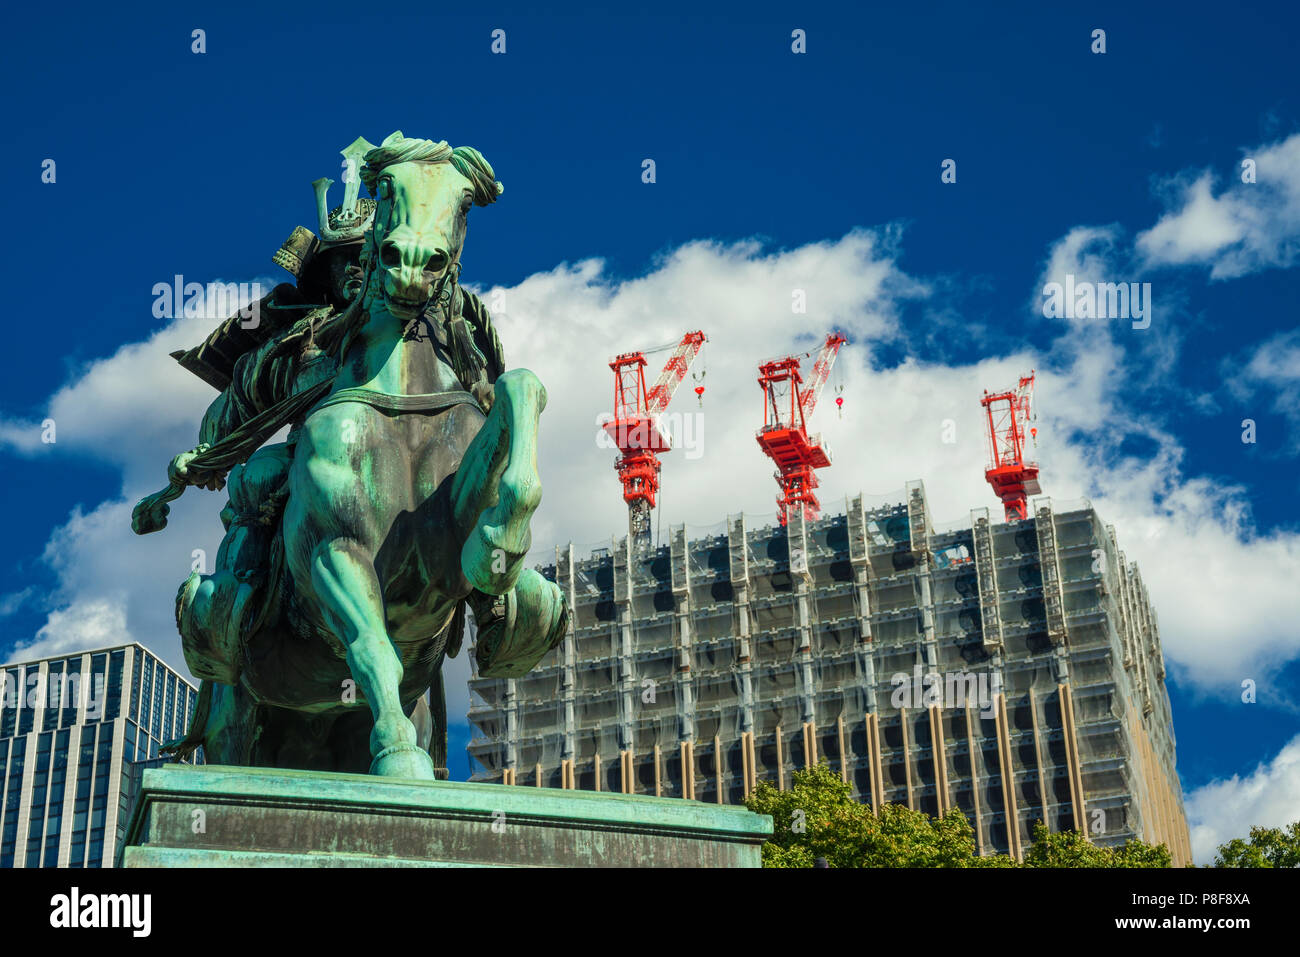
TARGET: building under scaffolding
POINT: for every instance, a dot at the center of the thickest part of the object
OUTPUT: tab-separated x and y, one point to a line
1012	670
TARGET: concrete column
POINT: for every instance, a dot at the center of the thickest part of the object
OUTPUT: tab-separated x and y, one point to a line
27	741
680	570
797	546
70	788
115	808
622	551
860	559
1073	766
1043	797
907	755
1050	563
986	577
738	553
975	757
565	579
510	707
939	753
1006	771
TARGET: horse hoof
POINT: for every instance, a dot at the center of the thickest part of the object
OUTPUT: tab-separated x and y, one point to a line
404	761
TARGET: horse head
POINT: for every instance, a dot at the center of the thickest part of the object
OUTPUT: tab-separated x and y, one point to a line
424	192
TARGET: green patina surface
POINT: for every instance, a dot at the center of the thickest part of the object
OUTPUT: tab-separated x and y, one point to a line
401	500
266	817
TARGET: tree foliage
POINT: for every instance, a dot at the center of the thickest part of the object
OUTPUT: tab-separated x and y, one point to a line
1266	847
1072	849
817	817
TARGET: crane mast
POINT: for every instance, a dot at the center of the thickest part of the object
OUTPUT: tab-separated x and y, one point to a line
788	404
635	427
1013	478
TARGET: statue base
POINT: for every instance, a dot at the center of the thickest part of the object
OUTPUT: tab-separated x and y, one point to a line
214	816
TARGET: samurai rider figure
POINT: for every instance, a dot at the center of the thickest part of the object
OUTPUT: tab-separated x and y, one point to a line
269	370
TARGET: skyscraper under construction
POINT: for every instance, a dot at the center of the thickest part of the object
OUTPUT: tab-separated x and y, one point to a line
1009	669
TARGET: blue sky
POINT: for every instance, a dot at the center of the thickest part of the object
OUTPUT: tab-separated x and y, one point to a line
170	163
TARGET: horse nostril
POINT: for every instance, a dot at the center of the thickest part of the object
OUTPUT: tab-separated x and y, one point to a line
390	255
437	262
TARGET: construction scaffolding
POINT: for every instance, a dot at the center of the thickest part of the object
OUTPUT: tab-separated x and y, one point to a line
1013	671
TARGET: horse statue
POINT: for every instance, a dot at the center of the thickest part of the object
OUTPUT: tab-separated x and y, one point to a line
408	497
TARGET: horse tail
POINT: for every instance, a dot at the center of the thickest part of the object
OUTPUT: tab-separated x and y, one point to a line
182	748
438	711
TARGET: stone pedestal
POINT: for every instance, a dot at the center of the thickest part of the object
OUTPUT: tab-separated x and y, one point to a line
212	816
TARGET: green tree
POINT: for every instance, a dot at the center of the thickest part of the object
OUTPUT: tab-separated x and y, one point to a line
1072	849
817	817
1267	847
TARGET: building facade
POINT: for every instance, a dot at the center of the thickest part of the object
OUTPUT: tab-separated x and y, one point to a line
70	727
1012	670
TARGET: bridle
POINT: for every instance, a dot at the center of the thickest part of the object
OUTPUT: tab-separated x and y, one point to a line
446	289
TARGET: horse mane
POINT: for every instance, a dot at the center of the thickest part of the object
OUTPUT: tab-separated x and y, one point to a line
468	161
485	333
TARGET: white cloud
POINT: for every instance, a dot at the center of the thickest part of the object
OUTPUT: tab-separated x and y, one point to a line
1247	227
115	586
1222	810
1272	369
11	602
94	623
1197	231
135	405
1209	572
134	409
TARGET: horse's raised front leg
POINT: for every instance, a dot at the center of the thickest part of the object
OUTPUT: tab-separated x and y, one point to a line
497	489
521	616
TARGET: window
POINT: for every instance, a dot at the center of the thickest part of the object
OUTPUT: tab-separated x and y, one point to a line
98	688
53	696
156	711
114	685
76	690
54	817
37	806
4	759
137	664
14	789
13	701
146	695
168	708
27	713
81	805
99	807
128	743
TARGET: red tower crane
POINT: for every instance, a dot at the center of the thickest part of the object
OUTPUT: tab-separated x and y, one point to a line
788	404
635	426
1013	479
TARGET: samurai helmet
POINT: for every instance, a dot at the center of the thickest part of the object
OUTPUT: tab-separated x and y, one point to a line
346	223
